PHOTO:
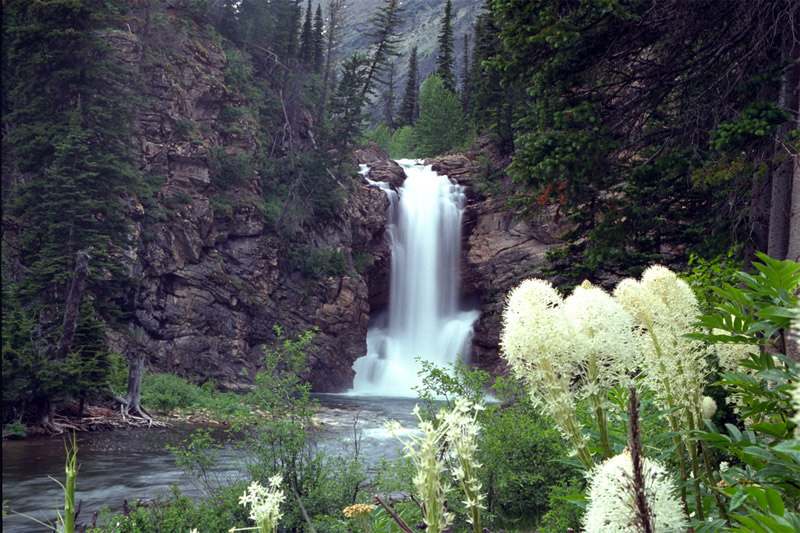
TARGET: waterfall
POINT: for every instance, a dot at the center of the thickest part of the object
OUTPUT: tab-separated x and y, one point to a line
424	318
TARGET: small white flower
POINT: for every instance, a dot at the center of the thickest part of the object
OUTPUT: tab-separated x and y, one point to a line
724	466
709	407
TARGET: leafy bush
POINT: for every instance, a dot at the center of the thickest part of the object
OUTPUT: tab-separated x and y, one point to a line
178	514
403	143
230	169
15	430
167	392
362	261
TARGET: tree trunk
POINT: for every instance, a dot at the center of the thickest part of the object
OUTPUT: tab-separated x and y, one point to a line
73	304
133	398
782	182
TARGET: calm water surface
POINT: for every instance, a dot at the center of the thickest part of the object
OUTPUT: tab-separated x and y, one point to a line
130	464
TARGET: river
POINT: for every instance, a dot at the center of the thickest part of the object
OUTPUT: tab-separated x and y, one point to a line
130	464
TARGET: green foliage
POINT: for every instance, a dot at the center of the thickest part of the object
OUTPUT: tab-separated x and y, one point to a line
282	443
440	126
445	61
362	261
198	455
705	275
621	168
756	121
167	392
177	513
760	488
15	430
518	448
230	169
409	107
379	135
402	143
566	503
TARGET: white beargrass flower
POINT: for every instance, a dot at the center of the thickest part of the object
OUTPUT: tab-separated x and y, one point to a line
603	343
611	498
264	504
537	343
730	354
462	429
664	308
432	489
709	407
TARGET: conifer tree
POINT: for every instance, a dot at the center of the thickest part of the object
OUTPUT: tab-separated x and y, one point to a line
409	109
307	39
66	130
318	41
347	104
465	75
385	40
440	126
388	98
335	8
445	61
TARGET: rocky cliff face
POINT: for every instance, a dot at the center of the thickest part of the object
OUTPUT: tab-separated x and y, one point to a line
499	251
213	281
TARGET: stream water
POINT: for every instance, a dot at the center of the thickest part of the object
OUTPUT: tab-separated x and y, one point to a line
130	464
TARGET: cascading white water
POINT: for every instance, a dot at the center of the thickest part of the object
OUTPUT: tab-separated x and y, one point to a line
424	317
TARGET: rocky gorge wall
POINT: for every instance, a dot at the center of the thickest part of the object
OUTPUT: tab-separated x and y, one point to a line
213	278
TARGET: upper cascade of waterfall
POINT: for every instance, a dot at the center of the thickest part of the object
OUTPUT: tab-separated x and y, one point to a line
425	318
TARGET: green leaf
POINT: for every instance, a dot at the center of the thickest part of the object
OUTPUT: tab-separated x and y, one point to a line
774	501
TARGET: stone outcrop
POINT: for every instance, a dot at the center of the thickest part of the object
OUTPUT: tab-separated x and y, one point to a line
213	280
499	251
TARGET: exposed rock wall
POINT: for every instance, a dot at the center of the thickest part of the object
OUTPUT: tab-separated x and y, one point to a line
213	282
499	251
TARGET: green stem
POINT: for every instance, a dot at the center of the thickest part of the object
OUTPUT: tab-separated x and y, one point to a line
69	487
602	426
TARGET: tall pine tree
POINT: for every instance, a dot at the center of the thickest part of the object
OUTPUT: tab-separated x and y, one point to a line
385	41
318	41
445	61
409	108
307	39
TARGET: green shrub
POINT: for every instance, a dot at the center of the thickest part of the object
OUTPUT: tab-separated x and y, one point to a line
179	514
167	392
230	169
15	430
362	261
403	143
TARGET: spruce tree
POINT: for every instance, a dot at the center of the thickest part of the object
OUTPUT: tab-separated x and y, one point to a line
465	75
385	41
409	108
318	41
66	130
307	39
347	103
445	61
440	126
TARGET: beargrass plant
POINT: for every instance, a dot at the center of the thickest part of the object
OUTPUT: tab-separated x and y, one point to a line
454	434
743	340
265	504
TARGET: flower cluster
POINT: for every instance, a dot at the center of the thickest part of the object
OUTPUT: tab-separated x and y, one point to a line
428	481
462	429
357	510
265	503
664	308
567	350
456	433
612	505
